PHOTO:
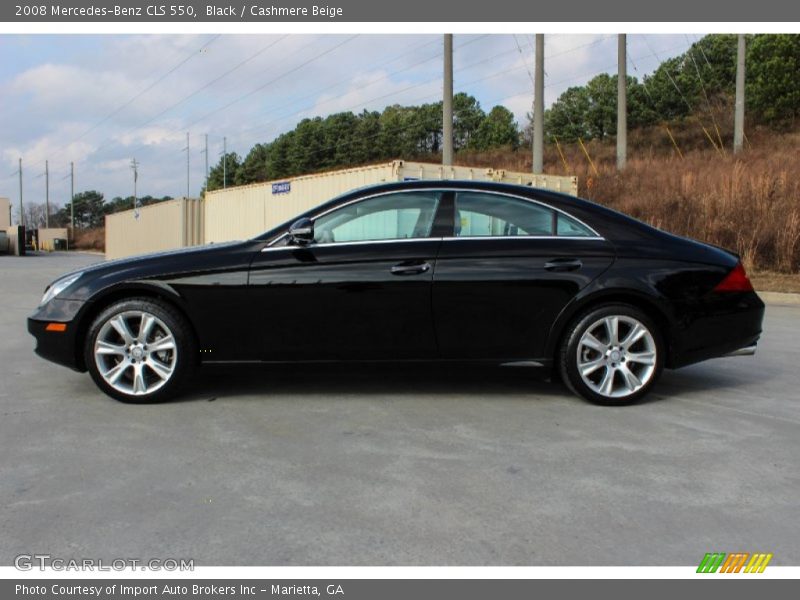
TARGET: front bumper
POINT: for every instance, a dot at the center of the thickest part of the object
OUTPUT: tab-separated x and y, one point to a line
60	347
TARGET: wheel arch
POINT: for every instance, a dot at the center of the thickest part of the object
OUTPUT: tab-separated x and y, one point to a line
126	291
644	302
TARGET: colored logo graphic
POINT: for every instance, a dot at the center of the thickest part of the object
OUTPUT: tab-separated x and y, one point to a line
737	562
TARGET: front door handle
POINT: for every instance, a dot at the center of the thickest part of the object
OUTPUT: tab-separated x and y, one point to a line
410	268
563	264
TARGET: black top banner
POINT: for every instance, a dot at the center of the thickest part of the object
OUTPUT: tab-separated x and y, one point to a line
131	11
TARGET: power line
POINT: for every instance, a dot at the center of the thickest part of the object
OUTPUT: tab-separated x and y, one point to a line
198	90
275	79
686	101
314	94
195	53
669	76
328	88
524	61
396	130
120	108
420	122
395	93
260	87
703	88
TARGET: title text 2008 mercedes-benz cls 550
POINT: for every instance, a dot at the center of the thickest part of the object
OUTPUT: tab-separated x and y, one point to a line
423	271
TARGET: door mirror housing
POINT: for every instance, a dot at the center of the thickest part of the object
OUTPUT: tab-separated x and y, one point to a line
302	232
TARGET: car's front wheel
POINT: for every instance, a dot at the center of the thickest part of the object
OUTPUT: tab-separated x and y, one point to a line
139	350
612	355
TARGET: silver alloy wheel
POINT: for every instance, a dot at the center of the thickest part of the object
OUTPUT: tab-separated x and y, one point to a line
135	353
616	356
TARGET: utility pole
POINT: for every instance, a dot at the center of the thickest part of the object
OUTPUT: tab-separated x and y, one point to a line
135	167
447	102
538	107
187	165
21	209
72	197
738	116
206	155
622	101
224	162
46	194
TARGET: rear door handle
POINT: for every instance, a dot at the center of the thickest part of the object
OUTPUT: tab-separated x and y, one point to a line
410	269
563	264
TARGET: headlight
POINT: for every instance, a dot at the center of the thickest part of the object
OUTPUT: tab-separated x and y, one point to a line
58	286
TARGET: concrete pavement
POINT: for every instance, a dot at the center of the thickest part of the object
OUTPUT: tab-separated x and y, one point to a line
396	465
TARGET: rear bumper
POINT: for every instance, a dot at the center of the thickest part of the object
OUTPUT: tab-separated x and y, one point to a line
728	325
746	351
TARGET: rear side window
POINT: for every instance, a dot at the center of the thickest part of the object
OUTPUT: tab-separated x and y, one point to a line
567	226
480	214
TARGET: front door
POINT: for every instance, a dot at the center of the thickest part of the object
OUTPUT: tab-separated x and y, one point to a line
361	290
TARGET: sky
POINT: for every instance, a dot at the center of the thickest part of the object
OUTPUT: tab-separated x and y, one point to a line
102	100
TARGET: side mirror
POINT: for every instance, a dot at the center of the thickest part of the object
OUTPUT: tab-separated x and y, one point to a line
302	232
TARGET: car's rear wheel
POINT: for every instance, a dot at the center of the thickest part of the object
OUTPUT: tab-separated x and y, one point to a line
612	355
139	350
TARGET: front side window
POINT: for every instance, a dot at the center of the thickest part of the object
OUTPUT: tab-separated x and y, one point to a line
404	215
481	214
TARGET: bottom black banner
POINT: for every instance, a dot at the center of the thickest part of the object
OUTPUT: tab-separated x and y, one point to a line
390	589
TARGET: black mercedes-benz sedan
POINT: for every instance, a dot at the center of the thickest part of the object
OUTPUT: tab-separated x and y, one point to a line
413	271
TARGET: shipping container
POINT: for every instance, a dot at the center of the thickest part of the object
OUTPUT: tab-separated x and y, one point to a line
155	227
46	238
5	213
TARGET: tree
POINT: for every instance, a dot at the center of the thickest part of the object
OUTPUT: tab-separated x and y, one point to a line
364	145
601	116
397	137
498	129
254	166
307	151
714	56
565	118
467	117
431	115
89	209
278	164
228	165
773	85
337	140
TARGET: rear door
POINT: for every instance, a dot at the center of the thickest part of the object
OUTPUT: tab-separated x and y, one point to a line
509	268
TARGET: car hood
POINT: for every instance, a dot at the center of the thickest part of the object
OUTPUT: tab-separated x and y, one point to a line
166	257
153	266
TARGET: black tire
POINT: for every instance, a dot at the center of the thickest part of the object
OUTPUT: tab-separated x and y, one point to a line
181	360
568	359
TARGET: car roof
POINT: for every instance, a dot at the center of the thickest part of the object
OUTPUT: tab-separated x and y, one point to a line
608	222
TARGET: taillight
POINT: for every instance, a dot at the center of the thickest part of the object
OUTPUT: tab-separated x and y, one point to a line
735	281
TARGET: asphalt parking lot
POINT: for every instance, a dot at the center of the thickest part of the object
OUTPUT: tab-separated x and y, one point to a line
396	465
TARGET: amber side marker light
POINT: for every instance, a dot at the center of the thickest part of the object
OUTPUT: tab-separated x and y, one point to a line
735	281
58	327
